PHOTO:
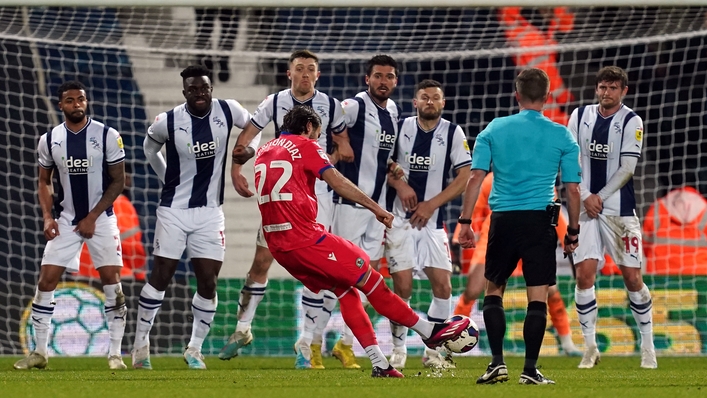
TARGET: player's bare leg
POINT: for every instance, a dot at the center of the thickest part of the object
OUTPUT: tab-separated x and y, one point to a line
149	304
115	310
251	295
402	286
42	310
203	308
475	284
586	303
642	308
439	311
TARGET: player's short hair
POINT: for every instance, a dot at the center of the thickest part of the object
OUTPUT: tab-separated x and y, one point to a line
303	54
70	85
532	84
381	60
296	119
194	71
428	83
612	74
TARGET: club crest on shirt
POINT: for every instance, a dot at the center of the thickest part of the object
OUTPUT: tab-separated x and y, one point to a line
360	262
617	127
321	110
439	138
97	145
639	133
218	121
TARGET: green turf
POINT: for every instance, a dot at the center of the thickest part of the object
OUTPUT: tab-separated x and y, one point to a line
615	377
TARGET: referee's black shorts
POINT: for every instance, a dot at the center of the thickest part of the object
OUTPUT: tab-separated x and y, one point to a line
526	235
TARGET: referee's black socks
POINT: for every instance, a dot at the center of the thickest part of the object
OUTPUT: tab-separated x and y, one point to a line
495	320
533	333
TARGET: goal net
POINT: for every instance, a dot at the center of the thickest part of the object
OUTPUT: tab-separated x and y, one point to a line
130	58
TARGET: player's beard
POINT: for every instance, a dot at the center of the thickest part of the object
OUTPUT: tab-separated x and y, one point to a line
379	96
75	117
430	114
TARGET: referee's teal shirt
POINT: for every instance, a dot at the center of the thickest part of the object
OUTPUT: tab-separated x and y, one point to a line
526	150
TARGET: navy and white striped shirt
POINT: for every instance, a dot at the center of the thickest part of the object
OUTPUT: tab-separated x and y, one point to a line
81	159
602	142
427	158
373	131
196	152
275	106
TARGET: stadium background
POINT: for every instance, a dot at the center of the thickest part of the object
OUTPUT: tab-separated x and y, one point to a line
110	50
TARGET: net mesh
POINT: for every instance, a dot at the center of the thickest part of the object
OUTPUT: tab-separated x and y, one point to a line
130	58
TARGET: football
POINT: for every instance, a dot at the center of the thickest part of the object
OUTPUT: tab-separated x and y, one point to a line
468	339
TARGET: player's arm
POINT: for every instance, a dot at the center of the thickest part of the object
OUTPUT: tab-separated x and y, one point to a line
340	135
348	190
45	192
460	157
87	226
45	188
242	154
156	136
630	152
426	208
407	195
115	161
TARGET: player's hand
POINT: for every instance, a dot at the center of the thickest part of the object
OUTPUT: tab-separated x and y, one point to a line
395	171
240	182
333	157
570	244
422	214
242	154
593	205
86	227
385	217
346	153
467	237
408	197
51	228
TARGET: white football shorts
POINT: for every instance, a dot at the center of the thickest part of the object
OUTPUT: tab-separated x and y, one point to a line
409	248
65	249
620	236
199	230
325	213
359	225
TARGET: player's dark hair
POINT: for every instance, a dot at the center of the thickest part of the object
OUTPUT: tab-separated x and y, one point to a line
70	85
381	60
612	74
303	54
194	71
428	83
533	84
295	121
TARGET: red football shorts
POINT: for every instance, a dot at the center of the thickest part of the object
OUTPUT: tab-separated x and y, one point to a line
331	262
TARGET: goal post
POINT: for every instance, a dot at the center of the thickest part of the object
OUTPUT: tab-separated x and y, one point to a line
129	55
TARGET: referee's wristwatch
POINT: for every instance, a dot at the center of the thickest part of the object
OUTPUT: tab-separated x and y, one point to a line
572	231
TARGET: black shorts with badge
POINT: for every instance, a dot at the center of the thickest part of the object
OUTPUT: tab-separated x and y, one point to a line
526	235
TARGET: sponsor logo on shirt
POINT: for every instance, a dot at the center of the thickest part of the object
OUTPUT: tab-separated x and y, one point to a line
419	163
204	150
385	140
599	151
77	166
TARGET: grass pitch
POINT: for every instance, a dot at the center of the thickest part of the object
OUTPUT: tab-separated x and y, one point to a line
614	377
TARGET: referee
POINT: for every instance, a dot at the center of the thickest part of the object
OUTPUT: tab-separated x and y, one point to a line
527	150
